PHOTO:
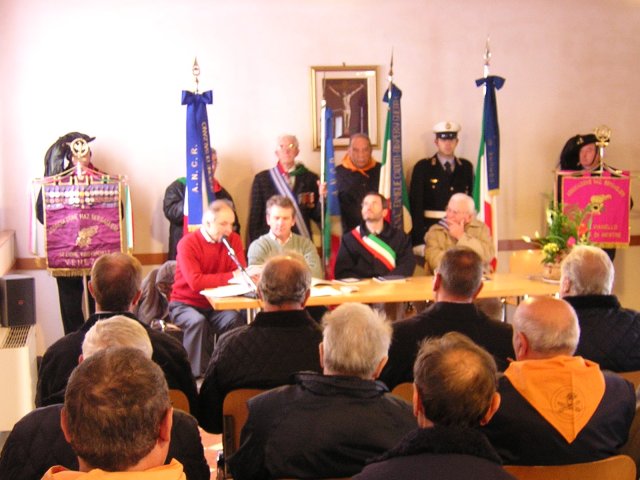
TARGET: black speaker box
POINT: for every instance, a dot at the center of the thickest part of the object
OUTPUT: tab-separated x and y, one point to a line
17	300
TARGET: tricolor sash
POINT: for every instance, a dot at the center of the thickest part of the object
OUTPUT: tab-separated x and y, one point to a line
283	188
376	247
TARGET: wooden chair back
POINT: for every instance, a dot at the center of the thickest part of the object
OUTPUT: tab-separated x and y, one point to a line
234	415
179	400
633	377
404	391
632	447
619	467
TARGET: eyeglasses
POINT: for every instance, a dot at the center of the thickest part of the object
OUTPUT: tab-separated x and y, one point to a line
289	146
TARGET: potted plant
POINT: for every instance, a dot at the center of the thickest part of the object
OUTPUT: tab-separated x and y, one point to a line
567	225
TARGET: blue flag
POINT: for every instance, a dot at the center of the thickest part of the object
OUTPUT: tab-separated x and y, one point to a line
332	224
491	131
199	189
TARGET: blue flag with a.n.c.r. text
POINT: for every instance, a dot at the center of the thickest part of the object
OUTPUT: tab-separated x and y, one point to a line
199	187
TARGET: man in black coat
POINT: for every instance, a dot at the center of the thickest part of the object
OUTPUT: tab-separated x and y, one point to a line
115	285
456	284
374	248
37	442
357	175
173	206
289	179
435	179
455	392
282	340
327	425
609	334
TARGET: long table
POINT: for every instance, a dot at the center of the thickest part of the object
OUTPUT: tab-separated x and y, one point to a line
414	289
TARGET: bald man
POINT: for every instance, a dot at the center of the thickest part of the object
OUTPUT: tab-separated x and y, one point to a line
557	408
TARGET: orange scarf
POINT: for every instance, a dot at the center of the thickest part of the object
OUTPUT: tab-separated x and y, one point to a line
348	164
565	390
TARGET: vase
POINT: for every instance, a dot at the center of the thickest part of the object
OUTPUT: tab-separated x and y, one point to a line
551	271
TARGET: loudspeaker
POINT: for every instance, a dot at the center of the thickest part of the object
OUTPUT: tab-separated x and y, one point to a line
17	300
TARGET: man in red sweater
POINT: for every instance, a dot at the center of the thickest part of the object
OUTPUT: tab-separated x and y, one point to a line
203	262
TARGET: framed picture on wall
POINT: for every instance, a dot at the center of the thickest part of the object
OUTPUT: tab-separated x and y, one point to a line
351	92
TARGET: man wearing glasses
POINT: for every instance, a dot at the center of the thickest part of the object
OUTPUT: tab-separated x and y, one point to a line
289	179
459	228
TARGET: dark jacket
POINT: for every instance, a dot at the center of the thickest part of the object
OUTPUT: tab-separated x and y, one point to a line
445	453
609	334
431	188
435	321
321	427
37	443
354	260
305	191
352	187
62	357
173	207
263	354
521	436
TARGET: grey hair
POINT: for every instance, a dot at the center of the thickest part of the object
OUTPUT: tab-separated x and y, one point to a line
117	331
549	331
355	340
471	205
214	207
285	279
589	270
294	139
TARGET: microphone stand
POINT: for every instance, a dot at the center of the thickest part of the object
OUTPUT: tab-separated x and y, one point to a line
246	277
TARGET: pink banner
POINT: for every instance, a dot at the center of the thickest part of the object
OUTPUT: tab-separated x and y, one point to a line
82	223
608	198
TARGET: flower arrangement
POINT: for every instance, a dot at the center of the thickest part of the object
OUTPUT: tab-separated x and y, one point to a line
568	225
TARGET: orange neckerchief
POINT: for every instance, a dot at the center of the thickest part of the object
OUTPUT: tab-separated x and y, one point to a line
348	164
565	390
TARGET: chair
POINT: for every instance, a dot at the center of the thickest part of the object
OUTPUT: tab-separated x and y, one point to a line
404	391
632	447
179	400
633	377
234	415
619	467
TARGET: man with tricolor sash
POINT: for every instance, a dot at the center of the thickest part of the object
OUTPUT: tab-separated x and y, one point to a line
557	408
289	179
374	248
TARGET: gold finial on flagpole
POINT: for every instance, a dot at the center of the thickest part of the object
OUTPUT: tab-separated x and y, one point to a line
196	72
603	135
390	77
487	57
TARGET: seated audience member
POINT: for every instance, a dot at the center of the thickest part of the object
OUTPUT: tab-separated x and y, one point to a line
374	248
117	417
115	285
204	262
280	239
609	334
282	340
557	408
153	305
357	175
37	442
454	393
327	425
459	228
173	206
456	284
290	179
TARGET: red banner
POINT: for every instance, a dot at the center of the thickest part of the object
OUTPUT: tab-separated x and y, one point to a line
82	222
608	199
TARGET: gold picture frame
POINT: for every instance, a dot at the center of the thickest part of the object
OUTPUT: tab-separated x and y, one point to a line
352	93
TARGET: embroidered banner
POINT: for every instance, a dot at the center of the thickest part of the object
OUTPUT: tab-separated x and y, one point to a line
608	198
82	222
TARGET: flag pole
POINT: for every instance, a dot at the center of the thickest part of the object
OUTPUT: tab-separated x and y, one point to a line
195	70
323	173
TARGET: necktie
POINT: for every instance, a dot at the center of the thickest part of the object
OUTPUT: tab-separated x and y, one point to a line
447	167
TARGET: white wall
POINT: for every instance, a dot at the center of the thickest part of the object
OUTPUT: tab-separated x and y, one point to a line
115	69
